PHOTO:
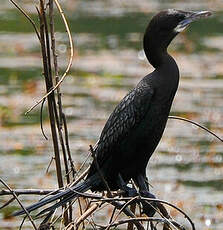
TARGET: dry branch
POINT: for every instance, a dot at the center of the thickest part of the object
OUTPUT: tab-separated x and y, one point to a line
28	192
27	16
20	203
147	219
49	85
196	124
70	59
87	213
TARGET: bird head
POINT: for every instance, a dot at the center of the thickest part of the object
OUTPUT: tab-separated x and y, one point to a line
170	22
165	25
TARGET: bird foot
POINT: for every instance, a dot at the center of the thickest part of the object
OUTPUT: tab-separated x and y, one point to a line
149	207
147	194
130	192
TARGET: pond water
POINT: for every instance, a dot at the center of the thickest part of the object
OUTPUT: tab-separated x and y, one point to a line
187	166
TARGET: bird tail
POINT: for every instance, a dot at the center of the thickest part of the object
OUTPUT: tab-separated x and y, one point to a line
64	196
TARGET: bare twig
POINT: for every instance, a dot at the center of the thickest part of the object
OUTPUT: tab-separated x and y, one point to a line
82	166
197	124
58	118
69	63
56	70
28	192
51	100
68	146
79	199
148	219
61	215
112	201
27	16
86	214
120	211
133	209
23	221
62	145
49	85
128	213
8	202
138	198
154	200
20	203
41	119
112	215
162	212
48	167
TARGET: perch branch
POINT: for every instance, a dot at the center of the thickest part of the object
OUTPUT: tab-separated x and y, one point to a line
197	124
153	200
123	207
148	219
28	192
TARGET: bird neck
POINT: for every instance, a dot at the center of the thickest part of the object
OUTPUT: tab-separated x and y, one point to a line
156	51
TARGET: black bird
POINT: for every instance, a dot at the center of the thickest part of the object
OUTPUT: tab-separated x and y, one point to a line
136	125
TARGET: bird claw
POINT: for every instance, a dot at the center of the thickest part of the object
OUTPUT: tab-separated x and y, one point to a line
130	192
147	194
149	207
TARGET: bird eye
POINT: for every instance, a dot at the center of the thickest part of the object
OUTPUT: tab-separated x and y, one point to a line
181	17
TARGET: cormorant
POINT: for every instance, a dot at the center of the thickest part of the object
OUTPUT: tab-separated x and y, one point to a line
135	127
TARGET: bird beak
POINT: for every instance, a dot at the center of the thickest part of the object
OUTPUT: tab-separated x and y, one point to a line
190	17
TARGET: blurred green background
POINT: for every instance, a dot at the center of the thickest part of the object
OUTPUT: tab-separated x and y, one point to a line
187	167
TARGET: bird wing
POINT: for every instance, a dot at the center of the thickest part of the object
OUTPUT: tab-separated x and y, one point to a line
128	113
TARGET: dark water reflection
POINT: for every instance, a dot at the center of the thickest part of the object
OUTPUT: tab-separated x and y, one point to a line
187	168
